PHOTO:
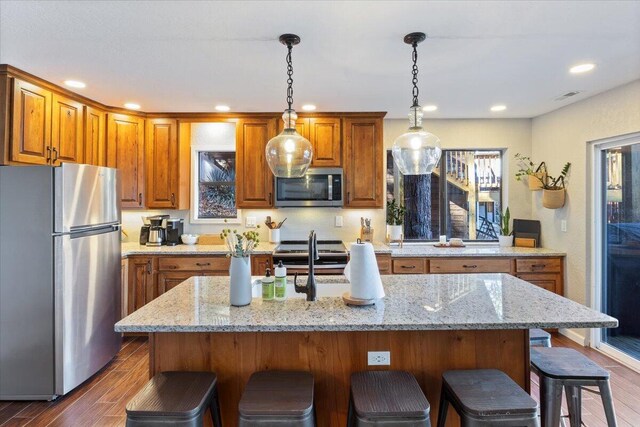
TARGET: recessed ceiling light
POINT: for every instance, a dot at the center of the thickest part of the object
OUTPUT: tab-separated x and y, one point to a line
498	108
309	107
430	108
582	68
222	108
75	84
132	106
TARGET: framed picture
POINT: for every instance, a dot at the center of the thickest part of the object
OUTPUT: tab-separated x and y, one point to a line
213	186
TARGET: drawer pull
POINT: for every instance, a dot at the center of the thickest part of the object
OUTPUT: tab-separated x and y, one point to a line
469	266
202	264
538	265
171	267
408	266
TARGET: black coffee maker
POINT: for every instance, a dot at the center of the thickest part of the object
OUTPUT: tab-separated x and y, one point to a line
173	231
153	232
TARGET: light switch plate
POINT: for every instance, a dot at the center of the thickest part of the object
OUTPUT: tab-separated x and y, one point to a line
563	225
338	220
250	222
378	358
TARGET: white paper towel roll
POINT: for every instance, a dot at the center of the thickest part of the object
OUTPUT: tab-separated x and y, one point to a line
362	272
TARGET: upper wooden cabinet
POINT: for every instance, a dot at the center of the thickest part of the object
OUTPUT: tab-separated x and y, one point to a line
125	151
254	180
363	162
31	127
95	144
162	164
326	140
67	130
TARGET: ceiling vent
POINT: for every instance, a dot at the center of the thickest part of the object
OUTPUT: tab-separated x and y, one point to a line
567	95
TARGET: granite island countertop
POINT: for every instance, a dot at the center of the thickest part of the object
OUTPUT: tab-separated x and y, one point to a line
408	250
412	302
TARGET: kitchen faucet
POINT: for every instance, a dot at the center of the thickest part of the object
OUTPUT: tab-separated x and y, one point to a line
310	287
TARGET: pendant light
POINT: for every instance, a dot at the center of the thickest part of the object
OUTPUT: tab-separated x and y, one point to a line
416	152
289	154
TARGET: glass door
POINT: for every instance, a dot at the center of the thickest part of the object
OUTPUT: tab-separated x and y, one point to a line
619	254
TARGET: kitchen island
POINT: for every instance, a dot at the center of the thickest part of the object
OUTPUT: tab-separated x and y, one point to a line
428	323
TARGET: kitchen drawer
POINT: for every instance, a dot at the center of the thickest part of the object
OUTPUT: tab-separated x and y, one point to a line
536	265
470	265
384	263
409	265
211	263
549	281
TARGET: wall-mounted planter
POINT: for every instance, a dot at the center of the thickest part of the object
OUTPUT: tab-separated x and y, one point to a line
553	199
535	183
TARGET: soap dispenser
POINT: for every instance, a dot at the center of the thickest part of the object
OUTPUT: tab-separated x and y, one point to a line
268	286
281	282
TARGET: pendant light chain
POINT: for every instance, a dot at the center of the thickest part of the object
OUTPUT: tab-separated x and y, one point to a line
290	76
414	71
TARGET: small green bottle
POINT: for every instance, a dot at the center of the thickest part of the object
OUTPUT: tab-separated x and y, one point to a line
268	290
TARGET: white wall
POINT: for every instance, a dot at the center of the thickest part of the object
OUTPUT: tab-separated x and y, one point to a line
563	136
514	135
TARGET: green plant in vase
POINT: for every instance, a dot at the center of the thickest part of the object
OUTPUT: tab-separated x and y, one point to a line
395	220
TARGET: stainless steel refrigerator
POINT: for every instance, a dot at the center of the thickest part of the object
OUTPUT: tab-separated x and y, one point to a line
59	277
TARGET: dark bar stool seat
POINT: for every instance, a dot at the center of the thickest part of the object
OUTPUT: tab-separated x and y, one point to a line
486	397
539	338
278	398
567	368
179	399
387	398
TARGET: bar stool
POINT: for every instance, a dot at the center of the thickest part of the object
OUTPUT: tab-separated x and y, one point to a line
277	398
486	397
566	368
178	399
539	338
387	398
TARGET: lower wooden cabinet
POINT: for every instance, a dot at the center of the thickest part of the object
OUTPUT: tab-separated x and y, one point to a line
471	265
260	263
410	266
384	263
141	283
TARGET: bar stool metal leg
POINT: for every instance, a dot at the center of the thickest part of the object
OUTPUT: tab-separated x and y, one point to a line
214	407
443	408
551	401
574	403
607	402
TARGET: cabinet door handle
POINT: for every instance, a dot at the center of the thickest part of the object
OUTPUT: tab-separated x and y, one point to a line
410	267
48	154
469	266
348	197
55	155
271	198
140	199
149	267
202	264
173	199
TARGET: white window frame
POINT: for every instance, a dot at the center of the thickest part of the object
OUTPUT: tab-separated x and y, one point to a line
595	202
195	192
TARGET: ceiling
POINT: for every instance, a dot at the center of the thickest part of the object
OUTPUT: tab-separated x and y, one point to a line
190	56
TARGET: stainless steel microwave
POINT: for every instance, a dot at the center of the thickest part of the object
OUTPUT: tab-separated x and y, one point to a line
318	187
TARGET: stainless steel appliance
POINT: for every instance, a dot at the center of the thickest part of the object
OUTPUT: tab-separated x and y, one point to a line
173	231
319	187
294	254
156	231
59	277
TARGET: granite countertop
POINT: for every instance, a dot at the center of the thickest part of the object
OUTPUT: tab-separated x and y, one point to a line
413	302
408	250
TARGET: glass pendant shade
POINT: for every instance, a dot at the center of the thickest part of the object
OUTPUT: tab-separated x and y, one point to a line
289	154
416	152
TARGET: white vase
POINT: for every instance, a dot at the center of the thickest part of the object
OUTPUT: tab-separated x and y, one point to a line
394	232
240	281
505	241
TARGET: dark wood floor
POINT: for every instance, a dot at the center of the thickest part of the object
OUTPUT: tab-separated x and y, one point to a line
102	399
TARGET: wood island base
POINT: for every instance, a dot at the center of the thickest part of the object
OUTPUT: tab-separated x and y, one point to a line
332	356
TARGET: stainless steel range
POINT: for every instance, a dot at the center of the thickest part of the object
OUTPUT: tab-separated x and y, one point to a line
294	254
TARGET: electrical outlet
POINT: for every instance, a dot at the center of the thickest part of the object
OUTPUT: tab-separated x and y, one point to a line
250	222
377	358
338	220
563	225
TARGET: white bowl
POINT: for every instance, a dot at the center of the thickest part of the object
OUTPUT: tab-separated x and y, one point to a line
189	239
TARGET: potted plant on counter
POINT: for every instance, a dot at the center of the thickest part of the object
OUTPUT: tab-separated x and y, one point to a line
554	189
534	173
395	219
505	239
240	247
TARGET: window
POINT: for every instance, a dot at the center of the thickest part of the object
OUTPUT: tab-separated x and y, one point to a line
467	204
213	173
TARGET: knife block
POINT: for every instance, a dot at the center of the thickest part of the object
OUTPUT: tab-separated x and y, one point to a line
366	234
